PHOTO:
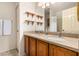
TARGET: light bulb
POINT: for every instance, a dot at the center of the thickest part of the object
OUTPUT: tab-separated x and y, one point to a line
39	4
47	4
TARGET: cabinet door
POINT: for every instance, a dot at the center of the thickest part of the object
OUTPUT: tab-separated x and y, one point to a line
55	51
78	54
26	44
70	53
51	50
42	48
59	51
32	47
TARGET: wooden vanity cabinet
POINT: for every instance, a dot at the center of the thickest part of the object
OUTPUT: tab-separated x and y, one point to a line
36	47
59	51
32	47
51	50
26	45
78	54
42	48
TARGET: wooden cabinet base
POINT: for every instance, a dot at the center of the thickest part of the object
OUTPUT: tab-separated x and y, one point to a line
59	51
36	47
26	45
42	48
32	47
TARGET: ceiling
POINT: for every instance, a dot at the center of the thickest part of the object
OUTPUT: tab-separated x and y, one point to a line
59	6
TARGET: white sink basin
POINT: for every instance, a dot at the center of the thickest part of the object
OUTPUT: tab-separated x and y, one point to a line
51	37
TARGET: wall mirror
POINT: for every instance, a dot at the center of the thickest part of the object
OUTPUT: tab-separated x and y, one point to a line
61	17
64	17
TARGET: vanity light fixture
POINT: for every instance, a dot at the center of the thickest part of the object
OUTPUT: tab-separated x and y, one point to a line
45	4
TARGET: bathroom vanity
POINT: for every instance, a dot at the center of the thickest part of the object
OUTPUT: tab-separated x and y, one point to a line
63	21
50	45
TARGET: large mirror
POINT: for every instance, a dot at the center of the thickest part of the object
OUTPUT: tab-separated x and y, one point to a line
64	17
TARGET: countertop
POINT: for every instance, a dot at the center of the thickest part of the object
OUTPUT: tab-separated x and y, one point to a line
65	42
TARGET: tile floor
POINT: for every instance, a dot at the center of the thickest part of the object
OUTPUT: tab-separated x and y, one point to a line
12	52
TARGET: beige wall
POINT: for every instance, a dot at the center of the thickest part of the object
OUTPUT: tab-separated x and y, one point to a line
24	7
7	11
18	25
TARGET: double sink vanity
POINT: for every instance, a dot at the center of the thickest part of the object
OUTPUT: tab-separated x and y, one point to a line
38	44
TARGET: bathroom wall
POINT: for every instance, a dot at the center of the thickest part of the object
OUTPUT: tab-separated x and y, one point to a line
18	24
7	11
24	7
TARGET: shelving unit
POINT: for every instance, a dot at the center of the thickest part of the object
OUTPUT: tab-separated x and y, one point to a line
28	21
34	19
39	16
31	13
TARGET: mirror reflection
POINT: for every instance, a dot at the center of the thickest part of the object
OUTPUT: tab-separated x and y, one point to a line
64	17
